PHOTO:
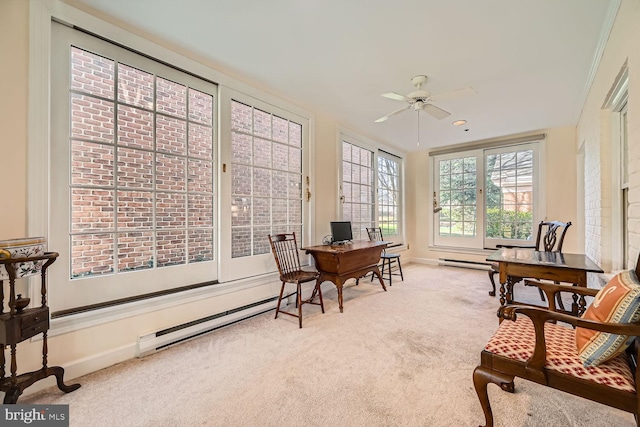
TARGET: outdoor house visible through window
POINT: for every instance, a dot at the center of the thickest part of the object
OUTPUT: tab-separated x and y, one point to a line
487	196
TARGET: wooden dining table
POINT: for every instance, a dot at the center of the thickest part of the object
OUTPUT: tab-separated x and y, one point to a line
519	263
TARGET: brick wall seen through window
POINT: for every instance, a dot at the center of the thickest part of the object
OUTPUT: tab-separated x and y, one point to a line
266	179
141	169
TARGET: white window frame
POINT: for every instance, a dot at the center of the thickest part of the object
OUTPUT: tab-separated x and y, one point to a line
377	149
480	242
399	229
41	15
455	241
237	268
73	292
617	103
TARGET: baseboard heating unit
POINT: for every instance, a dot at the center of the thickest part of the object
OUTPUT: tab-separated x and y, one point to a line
156	341
476	265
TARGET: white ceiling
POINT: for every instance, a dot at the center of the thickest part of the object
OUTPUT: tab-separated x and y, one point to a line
529	61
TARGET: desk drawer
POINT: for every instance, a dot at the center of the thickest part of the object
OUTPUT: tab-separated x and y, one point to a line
33	317
34	329
17	328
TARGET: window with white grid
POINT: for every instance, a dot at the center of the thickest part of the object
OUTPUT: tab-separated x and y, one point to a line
142	163
266	179
132	174
358	203
389	195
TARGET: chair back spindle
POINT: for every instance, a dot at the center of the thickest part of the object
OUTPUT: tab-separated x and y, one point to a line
285	251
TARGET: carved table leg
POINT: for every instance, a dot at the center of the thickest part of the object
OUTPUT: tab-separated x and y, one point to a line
511	281
376	271
339	286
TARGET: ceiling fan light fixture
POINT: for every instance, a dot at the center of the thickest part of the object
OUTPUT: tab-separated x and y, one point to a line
459	122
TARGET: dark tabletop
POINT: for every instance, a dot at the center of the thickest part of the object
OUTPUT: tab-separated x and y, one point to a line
555	259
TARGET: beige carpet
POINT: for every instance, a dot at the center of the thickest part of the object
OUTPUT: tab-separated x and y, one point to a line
399	358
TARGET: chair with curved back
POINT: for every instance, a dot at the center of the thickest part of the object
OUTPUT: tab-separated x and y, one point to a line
582	353
550	239
388	259
285	251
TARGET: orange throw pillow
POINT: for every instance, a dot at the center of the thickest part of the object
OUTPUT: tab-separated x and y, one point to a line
617	302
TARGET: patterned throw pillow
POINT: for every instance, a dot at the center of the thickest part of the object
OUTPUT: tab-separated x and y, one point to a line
617	302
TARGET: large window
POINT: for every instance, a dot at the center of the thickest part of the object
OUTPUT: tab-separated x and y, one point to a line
358	203
485	197
266	179
457	179
141	154
389	194
132	172
371	189
509	195
264	164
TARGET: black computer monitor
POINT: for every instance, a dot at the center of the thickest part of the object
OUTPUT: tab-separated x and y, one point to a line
341	232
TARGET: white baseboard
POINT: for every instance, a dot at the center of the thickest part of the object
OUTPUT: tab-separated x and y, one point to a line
85	366
428	261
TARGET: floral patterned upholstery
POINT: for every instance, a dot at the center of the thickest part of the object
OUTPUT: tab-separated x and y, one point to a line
516	340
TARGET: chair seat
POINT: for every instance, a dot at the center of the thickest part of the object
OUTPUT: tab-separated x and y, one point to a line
299	276
516	340
390	256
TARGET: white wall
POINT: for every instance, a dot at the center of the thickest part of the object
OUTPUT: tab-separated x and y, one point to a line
594	128
14	45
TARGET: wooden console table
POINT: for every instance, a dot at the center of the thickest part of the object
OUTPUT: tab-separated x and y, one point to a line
338	263
19	325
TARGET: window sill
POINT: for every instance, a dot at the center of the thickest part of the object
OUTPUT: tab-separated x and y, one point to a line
75	322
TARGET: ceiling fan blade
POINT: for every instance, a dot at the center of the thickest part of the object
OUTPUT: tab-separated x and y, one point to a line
459	93
436	112
382	119
397	97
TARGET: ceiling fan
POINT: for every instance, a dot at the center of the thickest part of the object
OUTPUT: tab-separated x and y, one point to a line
423	100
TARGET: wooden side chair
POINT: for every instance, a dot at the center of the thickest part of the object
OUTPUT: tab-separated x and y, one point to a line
388	259
549	239
285	251
593	356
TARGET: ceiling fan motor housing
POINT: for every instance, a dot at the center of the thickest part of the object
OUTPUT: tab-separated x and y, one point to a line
419	80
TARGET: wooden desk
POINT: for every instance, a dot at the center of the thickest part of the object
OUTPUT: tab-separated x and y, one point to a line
517	264
338	263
